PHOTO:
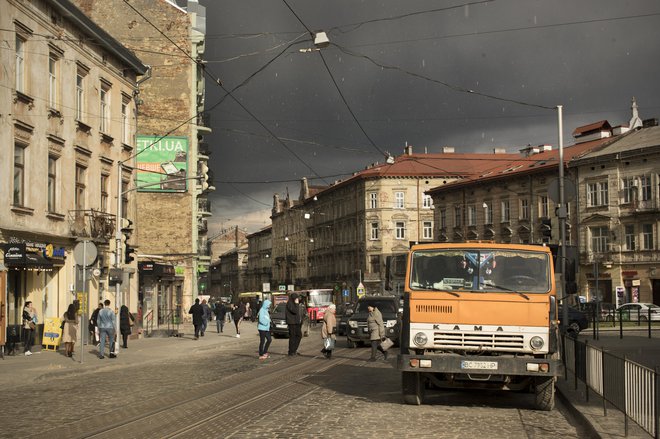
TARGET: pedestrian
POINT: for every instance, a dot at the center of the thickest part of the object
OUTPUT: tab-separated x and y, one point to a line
70	332
376	332
206	316
328	330
238	314
263	326
126	322
197	316
93	330
220	315
107	329
248	312
29	325
294	318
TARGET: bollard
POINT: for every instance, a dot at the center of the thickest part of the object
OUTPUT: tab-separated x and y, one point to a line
649	322
620	323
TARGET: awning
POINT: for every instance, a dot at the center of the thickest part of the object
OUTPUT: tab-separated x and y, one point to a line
17	257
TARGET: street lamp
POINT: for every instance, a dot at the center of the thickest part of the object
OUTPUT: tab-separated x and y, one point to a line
562	213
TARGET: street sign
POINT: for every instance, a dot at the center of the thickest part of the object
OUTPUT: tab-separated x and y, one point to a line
360	290
281	288
84	253
346	293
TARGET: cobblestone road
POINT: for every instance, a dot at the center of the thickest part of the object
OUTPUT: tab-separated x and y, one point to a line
224	391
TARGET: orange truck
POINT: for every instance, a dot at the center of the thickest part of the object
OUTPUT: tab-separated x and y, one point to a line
480	315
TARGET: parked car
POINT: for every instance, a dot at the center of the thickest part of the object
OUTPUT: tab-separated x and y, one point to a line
344	312
577	321
357	331
278	326
637	312
603	310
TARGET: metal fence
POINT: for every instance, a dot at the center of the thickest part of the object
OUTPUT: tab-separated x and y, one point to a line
629	387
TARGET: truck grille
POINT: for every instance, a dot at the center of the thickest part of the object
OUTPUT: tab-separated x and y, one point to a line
471	341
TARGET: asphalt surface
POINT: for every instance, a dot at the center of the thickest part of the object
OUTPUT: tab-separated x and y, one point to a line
216	387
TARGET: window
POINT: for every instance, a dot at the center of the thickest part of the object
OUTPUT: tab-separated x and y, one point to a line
125	123
524	209
630	237
599	239
373	200
645	187
79	195
400	227
427	230
399	200
374	263
20	63
647	237
488	212
104	109
544	207
597	194
506	217
19	175
80	94
104	192
472	215
53	84
374	231
52	184
627	189
443	218
427	201
458	215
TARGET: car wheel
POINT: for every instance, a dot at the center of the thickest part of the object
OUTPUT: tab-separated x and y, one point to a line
544	390
351	344
412	388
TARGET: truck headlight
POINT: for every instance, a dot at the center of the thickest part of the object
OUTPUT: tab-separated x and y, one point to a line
536	343
352	324
390	323
420	339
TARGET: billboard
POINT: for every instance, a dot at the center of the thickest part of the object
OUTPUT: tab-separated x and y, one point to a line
162	164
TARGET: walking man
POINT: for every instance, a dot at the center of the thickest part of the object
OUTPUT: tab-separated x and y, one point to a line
294	320
220	314
107	328
197	316
206	316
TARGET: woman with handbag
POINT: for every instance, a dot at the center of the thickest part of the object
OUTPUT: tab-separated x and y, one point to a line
376	332
329	330
126	321
70	329
29	318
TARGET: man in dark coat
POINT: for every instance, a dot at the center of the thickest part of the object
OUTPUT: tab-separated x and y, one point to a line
220	311
198	317
294	318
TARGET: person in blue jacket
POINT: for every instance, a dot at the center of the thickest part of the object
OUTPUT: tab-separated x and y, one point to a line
263	326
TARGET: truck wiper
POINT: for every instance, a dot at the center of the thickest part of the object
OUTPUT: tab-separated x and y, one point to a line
444	291
505	289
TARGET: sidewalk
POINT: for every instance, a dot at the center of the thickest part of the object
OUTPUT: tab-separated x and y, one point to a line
43	364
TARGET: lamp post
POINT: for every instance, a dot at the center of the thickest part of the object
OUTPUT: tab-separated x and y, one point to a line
562	213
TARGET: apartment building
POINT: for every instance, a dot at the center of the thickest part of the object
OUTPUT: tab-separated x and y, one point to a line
259	274
619	217
353	230
67	126
173	179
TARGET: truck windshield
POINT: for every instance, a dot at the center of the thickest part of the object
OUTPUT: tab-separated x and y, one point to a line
493	270
320	298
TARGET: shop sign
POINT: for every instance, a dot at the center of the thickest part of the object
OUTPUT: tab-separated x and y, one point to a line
52	331
179	270
629	273
51	252
14	252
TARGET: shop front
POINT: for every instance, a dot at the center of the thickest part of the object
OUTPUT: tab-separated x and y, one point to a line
160	293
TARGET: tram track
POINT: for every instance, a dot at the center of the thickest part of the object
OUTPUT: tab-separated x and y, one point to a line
253	388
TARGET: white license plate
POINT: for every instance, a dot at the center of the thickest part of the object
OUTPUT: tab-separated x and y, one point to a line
365	330
479	365
281	326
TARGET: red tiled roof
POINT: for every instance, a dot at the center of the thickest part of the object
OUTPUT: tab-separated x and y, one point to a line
596	126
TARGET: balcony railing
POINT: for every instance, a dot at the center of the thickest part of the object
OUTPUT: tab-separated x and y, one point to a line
94	224
204	119
204	206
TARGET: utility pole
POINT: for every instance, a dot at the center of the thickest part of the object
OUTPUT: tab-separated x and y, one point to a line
562	213
118	249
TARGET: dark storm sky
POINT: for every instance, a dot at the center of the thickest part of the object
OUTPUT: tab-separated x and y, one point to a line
590	56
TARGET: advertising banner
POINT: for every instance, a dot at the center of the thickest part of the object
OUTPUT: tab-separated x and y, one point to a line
162	164
52	331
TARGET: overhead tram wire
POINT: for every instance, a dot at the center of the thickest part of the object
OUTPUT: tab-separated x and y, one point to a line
380	151
229	93
456	88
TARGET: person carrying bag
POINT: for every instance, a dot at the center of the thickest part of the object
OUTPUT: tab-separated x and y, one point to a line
329	330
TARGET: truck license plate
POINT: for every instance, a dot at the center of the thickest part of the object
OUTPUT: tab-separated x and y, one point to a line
479	365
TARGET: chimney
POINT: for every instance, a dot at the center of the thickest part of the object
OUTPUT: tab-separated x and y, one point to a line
499	150
407	150
650	122
447	149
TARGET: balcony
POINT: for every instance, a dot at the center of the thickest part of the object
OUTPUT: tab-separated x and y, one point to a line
204	207
203	149
204	121
202	226
94	224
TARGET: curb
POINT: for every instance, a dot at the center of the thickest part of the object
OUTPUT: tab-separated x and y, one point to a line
576	414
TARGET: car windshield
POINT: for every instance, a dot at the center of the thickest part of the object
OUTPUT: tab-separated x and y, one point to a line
493	270
384	306
280	308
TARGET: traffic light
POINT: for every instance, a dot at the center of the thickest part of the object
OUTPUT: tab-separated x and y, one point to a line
546	229
128	254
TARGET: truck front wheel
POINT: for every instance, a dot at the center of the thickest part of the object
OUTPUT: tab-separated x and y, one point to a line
412	387
544	391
